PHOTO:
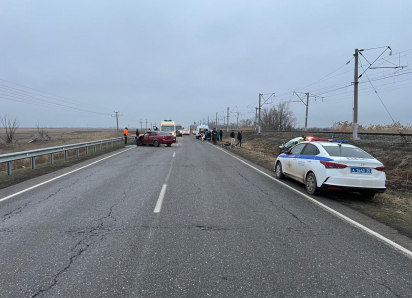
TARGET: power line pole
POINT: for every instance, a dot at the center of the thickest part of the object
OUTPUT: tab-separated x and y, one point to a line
256	111
355	97
227	122
146	124
307	109
208	121
141	124
306	104
237	121
216	121
117	122
260	96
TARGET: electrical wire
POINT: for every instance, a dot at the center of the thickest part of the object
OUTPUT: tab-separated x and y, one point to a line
56	97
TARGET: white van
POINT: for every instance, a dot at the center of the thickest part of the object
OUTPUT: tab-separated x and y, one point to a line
201	129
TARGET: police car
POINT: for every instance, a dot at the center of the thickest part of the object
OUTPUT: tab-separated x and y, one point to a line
327	164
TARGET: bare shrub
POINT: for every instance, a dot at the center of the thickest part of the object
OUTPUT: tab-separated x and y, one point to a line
279	117
10	125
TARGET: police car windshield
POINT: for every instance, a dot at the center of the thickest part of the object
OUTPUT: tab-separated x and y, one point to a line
343	151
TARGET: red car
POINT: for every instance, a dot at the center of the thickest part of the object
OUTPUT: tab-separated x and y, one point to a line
156	138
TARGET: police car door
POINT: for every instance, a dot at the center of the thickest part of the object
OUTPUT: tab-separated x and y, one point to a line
292	161
305	161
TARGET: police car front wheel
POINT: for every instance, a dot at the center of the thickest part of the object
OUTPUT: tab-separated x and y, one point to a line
278	171
311	184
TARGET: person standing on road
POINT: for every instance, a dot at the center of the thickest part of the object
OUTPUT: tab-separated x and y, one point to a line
232	138
221	135
126	135
217	135
239	139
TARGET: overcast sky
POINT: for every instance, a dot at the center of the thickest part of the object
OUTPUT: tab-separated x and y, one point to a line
187	60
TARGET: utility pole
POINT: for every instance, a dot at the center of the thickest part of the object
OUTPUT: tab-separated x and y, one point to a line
355	97
227	122
307	109
256	111
237	121
141	124
208	121
117	122
146	124
216	121
260	96
306	104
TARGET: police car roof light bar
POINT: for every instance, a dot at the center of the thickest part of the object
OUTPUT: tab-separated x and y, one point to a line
338	141
311	139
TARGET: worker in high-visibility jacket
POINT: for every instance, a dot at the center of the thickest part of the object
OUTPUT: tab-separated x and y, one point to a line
126	135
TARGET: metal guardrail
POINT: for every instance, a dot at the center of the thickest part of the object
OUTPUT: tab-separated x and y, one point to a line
32	154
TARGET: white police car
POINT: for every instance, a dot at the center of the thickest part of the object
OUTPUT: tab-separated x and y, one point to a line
324	164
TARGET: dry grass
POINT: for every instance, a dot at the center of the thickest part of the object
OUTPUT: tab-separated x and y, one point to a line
346	126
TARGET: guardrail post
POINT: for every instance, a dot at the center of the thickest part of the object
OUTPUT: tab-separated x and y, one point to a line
87	149
51	158
66	154
9	167
77	152
112	143
33	162
94	148
101	146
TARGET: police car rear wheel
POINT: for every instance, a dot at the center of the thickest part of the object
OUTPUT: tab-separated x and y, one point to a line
311	186
278	171
156	143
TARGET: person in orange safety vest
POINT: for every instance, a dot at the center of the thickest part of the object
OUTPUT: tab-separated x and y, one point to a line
126	135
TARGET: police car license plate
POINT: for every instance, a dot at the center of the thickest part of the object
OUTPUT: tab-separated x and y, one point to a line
360	171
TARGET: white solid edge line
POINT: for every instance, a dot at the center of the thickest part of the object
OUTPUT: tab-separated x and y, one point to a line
174	153
160	199
351	221
37	185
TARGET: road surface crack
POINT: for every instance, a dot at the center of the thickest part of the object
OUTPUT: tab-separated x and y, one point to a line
14	211
211	228
389	288
82	245
77	251
240	174
294	215
19	209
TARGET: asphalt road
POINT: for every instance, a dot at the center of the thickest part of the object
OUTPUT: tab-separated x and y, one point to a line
222	230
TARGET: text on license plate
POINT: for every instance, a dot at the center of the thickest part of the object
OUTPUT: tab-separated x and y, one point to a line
360	171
